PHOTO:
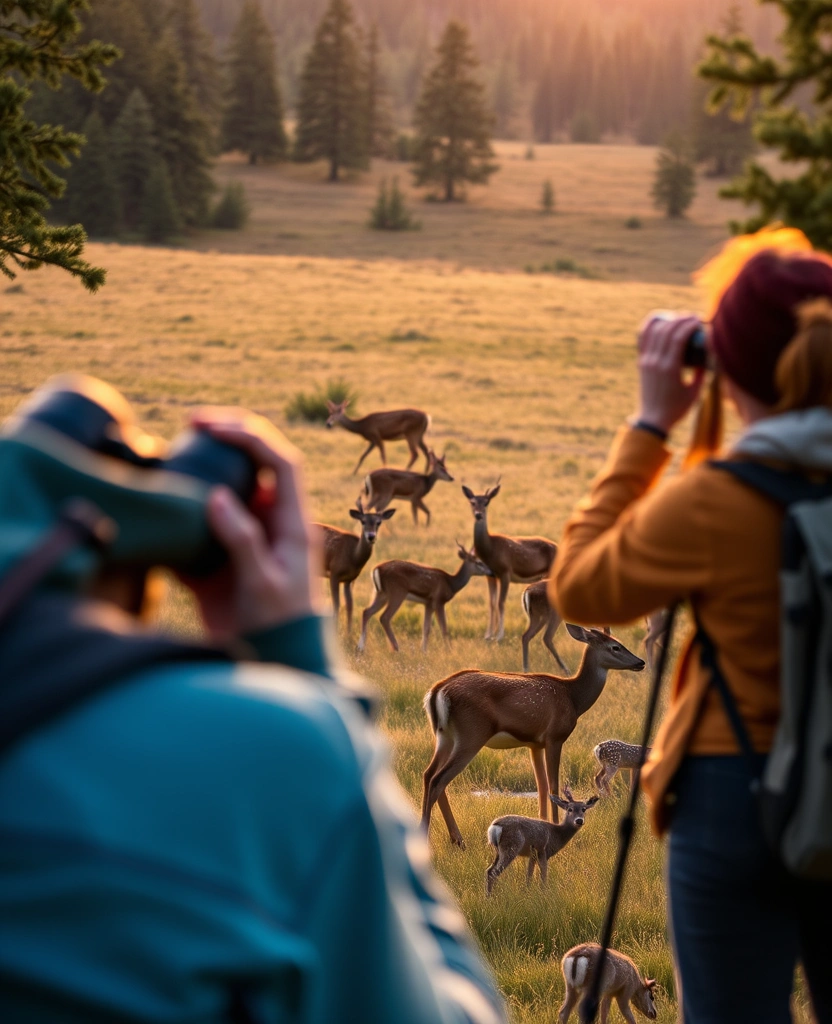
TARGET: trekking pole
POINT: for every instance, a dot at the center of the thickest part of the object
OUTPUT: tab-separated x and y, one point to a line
588	1009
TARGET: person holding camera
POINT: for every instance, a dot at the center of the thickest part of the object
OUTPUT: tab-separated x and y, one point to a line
194	831
740	922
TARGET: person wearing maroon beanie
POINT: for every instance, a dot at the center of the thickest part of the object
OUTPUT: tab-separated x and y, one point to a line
740	921
757	316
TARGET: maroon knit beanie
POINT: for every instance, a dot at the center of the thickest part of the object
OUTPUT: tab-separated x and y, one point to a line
757	316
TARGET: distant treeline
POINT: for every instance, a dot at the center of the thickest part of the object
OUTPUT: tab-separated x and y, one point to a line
554	69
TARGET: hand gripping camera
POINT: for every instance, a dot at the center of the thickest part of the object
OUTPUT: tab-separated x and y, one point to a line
77	437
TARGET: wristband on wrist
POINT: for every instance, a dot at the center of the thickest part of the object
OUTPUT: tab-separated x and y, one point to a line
651	428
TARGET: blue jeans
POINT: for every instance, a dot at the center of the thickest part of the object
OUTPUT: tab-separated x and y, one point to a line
739	921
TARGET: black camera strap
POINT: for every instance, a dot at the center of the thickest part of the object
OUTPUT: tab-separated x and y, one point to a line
588	1009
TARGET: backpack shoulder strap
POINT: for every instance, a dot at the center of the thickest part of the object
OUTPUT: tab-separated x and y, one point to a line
782	486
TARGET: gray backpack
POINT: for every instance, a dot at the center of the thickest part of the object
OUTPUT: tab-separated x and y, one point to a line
794	790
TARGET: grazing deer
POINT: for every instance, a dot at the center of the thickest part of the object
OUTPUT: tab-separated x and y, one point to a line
613	755
514	836
511	559
620	981
655	638
384	485
540	613
471	709
396	425
397	581
345	555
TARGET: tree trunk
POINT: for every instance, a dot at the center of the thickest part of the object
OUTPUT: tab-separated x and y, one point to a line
252	159
449	189
333	168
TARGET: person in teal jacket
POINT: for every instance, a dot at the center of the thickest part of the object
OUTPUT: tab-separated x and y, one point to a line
223	842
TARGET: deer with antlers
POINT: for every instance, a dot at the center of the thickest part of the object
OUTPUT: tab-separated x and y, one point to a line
345	555
394	425
385	485
540	613
515	835
398	581
511	559
472	709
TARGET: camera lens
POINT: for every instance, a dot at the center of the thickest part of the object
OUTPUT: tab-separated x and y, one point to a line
195	453
696	349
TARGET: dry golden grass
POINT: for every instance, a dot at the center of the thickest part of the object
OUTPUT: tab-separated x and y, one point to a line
527	376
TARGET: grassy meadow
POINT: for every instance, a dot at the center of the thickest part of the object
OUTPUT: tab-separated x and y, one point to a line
527	376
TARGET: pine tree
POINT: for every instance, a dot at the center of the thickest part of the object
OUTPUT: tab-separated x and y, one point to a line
377	117
41	46
674	186
453	125
253	117
547	197
331	107
182	134
800	133
133	147
160	215
202	68
92	195
504	100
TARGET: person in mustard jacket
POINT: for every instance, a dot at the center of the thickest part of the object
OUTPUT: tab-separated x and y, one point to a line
205	841
739	922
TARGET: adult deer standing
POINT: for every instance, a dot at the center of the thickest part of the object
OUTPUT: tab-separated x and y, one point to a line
398	581
377	427
540	613
384	485
345	555
620	981
471	709
511	559
514	835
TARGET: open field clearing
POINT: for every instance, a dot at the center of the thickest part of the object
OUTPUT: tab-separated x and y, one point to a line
501	226
525	376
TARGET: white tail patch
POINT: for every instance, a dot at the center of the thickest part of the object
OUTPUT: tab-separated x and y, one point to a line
494	833
377	585
368	488
595	750
443	710
575	969
526	602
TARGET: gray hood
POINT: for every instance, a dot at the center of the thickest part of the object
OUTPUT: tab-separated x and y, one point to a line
800	439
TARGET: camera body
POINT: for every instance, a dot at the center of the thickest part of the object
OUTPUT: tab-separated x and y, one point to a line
77	437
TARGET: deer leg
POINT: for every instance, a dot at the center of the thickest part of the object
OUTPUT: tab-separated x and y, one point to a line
504	858
568	1005
459	760
423	507
348	605
531	632
543	863
603	777
370	447
413	506
530	867
386	621
336	602
626	1012
553	750
426	626
426	453
440	618
489	874
383	453
501	629
539	769
379	602
606	1003
492	603
414	451
548	637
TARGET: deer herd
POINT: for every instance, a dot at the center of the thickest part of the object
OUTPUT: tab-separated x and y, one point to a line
472	709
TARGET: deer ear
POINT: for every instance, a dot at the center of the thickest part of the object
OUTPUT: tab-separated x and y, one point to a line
557	800
469	494
355	513
578	633
388	514
593	800
492	492
650	983
331	405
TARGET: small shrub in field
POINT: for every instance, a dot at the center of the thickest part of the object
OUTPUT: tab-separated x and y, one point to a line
232	211
566	265
530	152
311	407
633	223
547	197
675	183
404	148
389	212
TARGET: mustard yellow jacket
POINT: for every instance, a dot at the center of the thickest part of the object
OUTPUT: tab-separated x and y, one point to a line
630	548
